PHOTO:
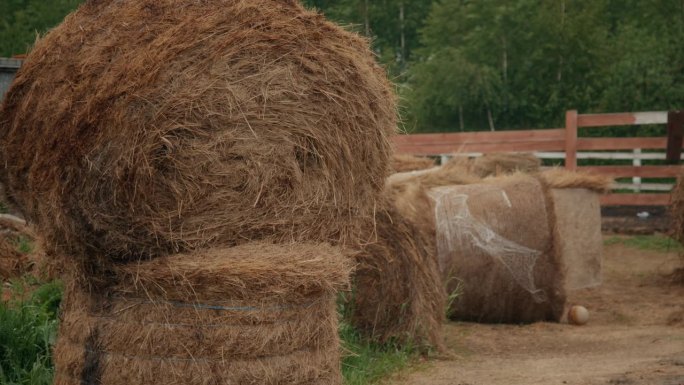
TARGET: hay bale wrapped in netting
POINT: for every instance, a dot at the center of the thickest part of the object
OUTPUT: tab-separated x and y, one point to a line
560	213
505	163
406	162
397	295
172	125
252	314
495	244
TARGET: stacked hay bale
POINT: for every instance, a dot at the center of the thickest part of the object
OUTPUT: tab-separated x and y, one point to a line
166	126
257	313
176	141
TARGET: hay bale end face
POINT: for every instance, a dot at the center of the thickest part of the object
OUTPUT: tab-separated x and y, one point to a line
176	320
165	125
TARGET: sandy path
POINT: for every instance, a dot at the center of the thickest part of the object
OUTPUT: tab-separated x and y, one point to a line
635	336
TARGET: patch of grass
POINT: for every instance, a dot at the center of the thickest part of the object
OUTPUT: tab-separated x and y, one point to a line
24	245
3	208
660	243
366	362
28	328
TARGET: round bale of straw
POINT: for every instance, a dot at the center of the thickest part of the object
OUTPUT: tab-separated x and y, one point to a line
397	295
497	251
142	128
252	314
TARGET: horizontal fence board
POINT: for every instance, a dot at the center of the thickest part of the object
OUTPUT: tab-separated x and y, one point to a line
604	155
635	199
621	119
644	186
481	137
621	143
439	149
635	171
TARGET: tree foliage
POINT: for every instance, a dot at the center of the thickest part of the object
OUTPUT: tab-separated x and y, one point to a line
487	64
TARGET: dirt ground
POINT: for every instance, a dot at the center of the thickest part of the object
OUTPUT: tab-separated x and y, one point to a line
635	336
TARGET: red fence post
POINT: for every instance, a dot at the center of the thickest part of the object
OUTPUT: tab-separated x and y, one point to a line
571	140
675	136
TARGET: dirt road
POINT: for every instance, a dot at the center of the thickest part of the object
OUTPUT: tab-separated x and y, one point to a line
635	336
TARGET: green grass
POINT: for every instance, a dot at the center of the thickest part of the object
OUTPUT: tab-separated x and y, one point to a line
28	327
660	243
366	362
24	245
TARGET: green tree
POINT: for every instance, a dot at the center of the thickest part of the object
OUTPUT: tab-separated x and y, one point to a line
542	56
22	20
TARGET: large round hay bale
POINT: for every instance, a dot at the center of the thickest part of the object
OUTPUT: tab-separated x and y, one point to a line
252	314
497	250
141	128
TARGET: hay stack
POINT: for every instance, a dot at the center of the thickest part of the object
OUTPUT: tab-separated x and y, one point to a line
397	296
406	163
556	218
253	314
496	250
166	126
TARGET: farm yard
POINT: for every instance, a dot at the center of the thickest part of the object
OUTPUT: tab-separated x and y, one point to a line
287	192
635	335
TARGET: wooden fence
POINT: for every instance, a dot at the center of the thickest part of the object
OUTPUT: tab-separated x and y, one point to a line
565	143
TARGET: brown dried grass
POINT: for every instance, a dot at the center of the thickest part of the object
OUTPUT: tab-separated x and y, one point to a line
677	209
12	262
561	178
175	320
398	296
504	163
166	126
406	162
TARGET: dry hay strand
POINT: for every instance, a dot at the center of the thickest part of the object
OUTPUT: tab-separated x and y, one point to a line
504	163
559	178
397	291
252	314
497	252
166	126
455	172
677	209
406	162
13	263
